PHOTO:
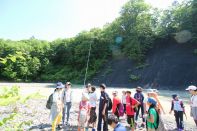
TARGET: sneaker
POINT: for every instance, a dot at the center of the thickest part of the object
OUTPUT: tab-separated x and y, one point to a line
142	125
86	129
93	129
58	127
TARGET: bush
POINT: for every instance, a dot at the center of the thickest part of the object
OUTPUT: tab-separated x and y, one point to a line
134	77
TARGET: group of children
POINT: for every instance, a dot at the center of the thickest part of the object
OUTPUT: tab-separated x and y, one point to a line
128	106
150	107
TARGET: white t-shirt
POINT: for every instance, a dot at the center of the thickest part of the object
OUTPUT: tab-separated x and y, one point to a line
57	96
68	96
194	101
177	105
92	99
124	99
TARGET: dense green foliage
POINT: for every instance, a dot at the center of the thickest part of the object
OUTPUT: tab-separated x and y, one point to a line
62	59
134	33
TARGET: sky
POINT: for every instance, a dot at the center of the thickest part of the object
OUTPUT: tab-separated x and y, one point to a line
52	19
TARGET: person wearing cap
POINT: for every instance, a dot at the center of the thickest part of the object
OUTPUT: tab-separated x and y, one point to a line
67	101
178	108
113	122
103	111
152	93
56	108
140	97
152	115
193	91
115	103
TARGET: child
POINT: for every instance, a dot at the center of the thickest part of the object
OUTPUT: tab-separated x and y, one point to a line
131	103
116	103
153	94
114	123
140	97
177	106
153	116
84	108
193	91
92	101
124	100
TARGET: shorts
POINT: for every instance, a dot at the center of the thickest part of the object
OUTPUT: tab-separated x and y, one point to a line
93	115
131	121
82	122
194	112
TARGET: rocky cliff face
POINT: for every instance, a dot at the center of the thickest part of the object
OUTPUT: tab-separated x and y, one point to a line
168	65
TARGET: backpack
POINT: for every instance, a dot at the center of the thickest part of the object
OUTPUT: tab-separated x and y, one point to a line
49	101
120	109
109	104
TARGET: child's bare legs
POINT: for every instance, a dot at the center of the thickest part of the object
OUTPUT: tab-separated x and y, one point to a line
80	128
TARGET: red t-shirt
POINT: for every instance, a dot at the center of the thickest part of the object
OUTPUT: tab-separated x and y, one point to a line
129	109
116	101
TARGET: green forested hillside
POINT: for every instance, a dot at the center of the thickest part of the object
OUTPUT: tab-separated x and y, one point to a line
134	33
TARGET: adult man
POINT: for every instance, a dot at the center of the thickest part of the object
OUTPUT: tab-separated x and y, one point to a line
103	111
140	98
113	122
67	101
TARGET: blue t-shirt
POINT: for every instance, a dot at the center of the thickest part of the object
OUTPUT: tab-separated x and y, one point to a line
120	127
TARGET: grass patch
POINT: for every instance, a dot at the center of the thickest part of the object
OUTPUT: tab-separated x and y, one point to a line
141	66
10	96
9	100
134	77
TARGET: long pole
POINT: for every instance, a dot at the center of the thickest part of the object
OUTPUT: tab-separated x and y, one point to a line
87	63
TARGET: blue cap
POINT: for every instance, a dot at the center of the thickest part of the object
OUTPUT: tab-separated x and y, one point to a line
152	101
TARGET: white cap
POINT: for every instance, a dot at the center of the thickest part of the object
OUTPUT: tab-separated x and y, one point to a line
59	85
192	87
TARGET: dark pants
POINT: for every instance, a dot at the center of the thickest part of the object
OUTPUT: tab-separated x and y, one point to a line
66	110
124	108
142	112
104	118
179	119
117	113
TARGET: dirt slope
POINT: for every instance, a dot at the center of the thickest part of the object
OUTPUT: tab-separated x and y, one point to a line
168	66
